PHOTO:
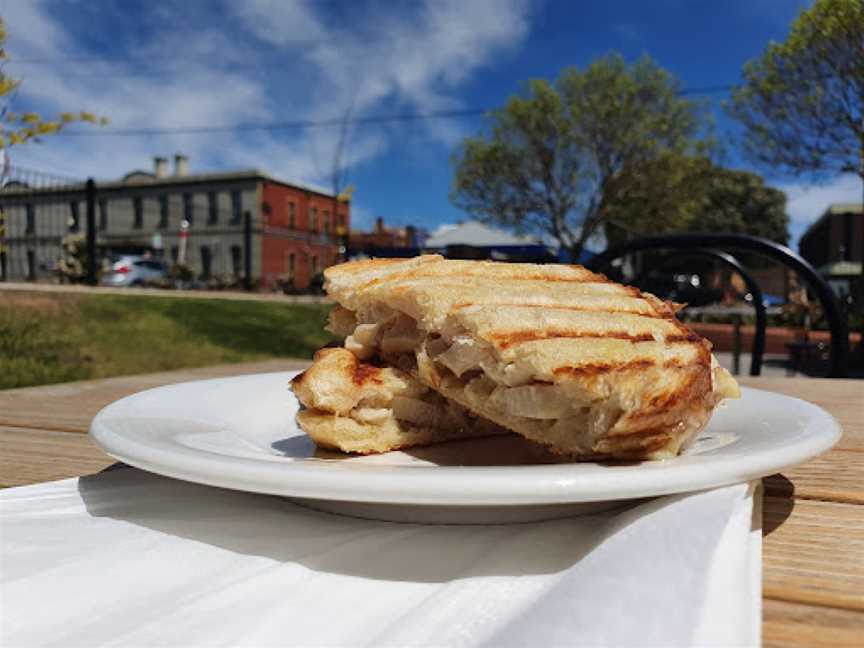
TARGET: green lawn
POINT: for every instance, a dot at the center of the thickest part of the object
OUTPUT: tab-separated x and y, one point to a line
49	338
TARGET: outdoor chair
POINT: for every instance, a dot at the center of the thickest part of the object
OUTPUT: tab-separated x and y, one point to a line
715	246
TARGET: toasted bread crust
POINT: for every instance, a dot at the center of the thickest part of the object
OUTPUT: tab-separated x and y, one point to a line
352	406
644	380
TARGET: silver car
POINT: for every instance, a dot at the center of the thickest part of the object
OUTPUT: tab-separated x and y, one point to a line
134	270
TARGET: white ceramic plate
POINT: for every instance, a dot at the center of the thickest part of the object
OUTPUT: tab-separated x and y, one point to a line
240	433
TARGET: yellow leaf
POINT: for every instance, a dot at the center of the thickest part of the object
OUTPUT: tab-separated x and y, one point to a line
7	85
88	117
30	118
67	117
49	127
15	138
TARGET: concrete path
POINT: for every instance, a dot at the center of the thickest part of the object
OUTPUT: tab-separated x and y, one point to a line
13	286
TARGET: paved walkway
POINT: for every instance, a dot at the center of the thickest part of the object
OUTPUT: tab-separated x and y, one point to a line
156	292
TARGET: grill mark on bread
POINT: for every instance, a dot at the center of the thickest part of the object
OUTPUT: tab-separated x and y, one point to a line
506	340
599	368
652	314
364	373
688	336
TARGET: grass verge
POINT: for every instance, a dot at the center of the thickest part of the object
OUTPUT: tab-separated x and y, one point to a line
49	338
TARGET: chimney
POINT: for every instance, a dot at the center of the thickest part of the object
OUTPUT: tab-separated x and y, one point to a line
160	167
181	165
379	225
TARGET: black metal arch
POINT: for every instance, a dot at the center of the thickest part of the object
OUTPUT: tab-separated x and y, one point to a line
837	324
758	351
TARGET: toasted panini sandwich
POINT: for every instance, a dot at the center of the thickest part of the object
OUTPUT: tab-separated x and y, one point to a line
357	407
559	354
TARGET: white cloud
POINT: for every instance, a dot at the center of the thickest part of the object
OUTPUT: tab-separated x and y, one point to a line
277	61
807	202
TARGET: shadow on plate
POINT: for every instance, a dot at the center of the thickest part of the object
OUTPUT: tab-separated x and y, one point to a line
503	450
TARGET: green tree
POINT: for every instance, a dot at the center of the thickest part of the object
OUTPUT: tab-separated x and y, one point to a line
563	159
740	202
802	100
17	128
715	199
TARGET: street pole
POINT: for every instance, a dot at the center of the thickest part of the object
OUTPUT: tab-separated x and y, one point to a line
184	238
247	251
90	192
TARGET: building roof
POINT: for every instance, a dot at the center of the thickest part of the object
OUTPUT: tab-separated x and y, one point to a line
141	178
475	234
831	210
845	208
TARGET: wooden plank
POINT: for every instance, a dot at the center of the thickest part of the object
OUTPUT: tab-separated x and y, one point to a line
836	476
813	553
30	456
69	407
795	625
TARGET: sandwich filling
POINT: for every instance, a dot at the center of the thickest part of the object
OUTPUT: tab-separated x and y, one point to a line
358	407
560	355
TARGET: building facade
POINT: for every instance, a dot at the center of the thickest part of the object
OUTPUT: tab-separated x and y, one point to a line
296	231
834	245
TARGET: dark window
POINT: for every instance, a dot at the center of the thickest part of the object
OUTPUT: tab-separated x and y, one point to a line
74	220
341	220
31	265
137	213
212	208
206	261
847	236
103	214
292	215
175	253
314	265
30	216
187	207
236	260
313	224
150	265
236	207
291	262
326	221
163	212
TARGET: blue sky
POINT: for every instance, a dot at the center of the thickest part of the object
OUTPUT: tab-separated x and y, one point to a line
216	62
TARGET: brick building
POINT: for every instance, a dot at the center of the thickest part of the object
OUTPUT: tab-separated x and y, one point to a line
383	237
834	244
296	231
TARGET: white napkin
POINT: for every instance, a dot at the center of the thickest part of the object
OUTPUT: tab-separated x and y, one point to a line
126	558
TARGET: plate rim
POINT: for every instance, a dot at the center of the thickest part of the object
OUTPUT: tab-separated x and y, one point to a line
549	483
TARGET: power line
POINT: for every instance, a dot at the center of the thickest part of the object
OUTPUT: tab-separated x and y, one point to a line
320	123
290	125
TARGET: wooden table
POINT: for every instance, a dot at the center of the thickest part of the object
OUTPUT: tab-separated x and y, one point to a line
813	519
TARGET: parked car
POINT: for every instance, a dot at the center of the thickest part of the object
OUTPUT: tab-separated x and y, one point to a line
134	270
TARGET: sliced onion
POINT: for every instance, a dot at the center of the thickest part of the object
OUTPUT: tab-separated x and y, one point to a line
531	401
370	414
414	410
463	355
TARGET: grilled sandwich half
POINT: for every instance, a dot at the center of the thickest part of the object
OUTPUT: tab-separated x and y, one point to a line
559	354
357	407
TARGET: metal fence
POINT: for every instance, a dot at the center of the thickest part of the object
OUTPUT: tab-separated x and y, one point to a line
65	229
